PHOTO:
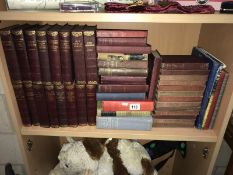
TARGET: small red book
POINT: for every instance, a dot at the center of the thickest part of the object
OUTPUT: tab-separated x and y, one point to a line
127	106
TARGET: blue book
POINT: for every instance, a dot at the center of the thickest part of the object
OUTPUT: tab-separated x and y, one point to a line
120	96
215	66
126	123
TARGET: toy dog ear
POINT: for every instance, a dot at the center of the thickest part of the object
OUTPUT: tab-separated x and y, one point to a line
147	168
94	147
70	139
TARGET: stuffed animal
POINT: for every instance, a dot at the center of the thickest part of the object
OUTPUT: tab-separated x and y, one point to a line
103	157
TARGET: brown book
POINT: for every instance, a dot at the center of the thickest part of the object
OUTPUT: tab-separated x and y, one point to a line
42	46
183	62
125	80
177	105
121	41
181	87
15	74
78	54
38	88
180	93
184	77
178	99
184	72
123	64
121	57
24	65
120	88
187	112
71	104
121	33
125	49
183	82
91	103
65	53
81	104
89	33
122	72
155	116
186	123
153	75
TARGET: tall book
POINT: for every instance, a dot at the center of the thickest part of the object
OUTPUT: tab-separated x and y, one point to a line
15	74
38	88
42	46
24	65
215	65
56	73
91	103
67	73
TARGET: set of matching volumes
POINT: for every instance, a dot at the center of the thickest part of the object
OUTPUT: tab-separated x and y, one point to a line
123	70
53	72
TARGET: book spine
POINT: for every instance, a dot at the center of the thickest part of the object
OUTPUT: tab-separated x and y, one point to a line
120	96
179	99
71	104
123	64
122	57
90	56
127	106
78	57
123	113
184	77
38	89
122	33
81	104
107	41
125	49
176	113
122	72
91	103
184	72
180	88
122	89
154	76
128	123
15	75
183	82
180	93
65	56
21	51
184	66
126	80
176	104
189	123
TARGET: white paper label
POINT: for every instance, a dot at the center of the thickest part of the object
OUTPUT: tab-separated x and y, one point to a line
134	107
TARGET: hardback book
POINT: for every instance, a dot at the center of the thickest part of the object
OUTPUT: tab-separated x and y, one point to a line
180	93
112	88
184	77
139	64
89	34
187	112
182	82
121	33
181	87
183	62
184	72
91	103
42	46
78	54
120	96
179	123
121	57
21	51
179	98
127	106
122	72
124	123
125	49
100	113
176	105
34	63
153	75
124	80
121	41
215	65
155	116
15	74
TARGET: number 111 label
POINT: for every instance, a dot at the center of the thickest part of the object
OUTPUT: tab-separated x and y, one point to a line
134	107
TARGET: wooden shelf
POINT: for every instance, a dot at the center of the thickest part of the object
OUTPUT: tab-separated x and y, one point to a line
56	16
179	134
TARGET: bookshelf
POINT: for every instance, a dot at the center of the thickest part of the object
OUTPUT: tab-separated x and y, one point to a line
170	34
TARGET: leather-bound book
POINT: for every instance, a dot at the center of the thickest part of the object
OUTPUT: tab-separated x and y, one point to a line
89	33
125	49
120	88
184	72
56	72
121	41
42	46
181	87
38	88
122	72
121	57
123	64
15	74
81	104
121	33
78	54
91	103
124	80
20	47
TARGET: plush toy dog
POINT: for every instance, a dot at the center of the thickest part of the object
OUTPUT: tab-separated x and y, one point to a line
103	157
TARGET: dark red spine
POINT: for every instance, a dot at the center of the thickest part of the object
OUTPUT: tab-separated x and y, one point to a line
125	49
91	103
117	41
42	46
21	51
38	88
119	88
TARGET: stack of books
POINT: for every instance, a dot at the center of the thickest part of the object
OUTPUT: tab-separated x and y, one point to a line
123	69
182	81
